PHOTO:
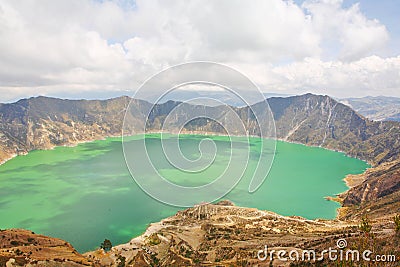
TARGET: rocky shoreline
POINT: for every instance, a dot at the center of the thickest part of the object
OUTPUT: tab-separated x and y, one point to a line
207	235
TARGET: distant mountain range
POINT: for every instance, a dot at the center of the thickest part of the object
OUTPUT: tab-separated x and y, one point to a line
379	108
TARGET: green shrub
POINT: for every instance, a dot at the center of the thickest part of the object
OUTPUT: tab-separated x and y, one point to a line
365	225
154	239
106	245
396	220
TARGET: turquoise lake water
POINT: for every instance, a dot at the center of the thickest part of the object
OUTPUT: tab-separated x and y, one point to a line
85	194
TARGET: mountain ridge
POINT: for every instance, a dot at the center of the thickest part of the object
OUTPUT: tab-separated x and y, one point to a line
42	122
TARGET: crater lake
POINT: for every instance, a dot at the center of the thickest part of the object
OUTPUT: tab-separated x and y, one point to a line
84	194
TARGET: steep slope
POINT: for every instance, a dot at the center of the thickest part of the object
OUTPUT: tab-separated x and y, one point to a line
42	123
322	121
378	195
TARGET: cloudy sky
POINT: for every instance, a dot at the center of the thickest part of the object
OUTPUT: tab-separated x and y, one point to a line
97	49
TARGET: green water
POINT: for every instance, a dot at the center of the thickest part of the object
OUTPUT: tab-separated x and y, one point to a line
84	194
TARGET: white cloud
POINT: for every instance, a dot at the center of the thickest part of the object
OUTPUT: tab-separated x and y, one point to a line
356	35
368	76
258	31
69	47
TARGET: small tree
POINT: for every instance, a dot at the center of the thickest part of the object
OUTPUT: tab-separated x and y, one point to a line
365	225
106	245
396	220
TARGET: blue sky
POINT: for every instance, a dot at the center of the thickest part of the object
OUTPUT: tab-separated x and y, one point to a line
388	12
99	49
